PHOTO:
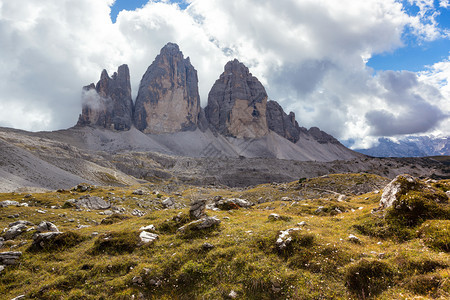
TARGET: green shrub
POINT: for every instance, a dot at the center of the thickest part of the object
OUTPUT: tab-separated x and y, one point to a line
368	278
436	234
116	243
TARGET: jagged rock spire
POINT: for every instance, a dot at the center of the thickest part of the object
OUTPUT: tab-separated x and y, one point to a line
108	104
168	99
237	103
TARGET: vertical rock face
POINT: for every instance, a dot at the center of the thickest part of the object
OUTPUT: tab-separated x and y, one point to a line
108	104
168	99
237	103
283	124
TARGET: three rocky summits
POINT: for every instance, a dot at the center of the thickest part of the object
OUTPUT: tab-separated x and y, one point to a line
168	101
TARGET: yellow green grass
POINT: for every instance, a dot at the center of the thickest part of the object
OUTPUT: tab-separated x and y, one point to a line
320	263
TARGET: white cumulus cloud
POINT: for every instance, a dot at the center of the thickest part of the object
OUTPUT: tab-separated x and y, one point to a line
310	55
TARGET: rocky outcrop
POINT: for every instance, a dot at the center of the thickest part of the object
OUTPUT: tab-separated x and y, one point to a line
283	124
321	136
108	104
237	103
168	99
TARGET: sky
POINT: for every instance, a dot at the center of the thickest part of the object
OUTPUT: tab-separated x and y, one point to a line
358	70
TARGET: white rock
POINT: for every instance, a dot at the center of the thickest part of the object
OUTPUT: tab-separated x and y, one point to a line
148	237
284	238
353	238
148	227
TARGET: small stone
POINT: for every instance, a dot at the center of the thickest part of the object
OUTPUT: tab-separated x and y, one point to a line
41	211
7	203
233	294
138	192
168	203
284	238
286	199
274	217
137	280
341	198
137	213
302	223
354	239
1	268
207	246
319	209
19	297
148	227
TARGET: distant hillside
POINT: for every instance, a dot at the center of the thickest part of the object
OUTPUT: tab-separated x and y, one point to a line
413	146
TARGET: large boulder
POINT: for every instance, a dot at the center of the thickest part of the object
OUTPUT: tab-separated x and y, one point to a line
168	99
91	202
108	104
399	186
200	224
237	103
46	226
197	209
15	229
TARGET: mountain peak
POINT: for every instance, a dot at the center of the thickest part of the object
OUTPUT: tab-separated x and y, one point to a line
168	99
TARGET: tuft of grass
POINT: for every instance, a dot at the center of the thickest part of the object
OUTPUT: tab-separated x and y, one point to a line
436	234
114	218
414	208
171	225
368	278
424	284
116	243
60	242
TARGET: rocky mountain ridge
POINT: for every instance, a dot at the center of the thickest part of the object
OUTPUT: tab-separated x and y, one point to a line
412	146
168	102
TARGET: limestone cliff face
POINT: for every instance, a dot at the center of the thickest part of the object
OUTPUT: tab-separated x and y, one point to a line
108	104
283	124
168	99
237	103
